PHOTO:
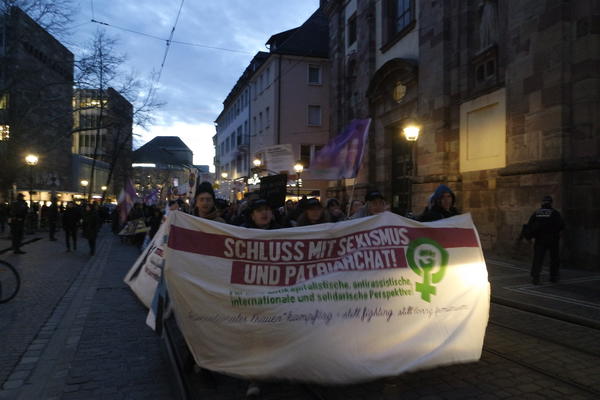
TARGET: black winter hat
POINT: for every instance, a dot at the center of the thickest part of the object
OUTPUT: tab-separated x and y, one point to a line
374	194
258	203
205	187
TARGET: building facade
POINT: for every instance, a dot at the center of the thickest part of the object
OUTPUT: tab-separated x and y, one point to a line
163	164
281	102
102	130
506	97
36	81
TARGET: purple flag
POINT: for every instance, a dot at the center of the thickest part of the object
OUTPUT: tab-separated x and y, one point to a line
127	198
342	156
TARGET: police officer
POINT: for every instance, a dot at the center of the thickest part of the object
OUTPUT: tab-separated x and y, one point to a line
18	214
545	225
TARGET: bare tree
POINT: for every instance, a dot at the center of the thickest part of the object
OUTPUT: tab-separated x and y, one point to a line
55	16
100	69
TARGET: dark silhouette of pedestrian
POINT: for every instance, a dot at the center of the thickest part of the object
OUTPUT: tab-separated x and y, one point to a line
18	215
91	226
52	217
545	225
70	220
4	211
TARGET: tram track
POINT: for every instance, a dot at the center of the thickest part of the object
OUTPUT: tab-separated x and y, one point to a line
539	331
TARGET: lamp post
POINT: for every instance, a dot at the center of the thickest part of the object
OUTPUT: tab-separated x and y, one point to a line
32	161
85	184
298	167
411	134
104	189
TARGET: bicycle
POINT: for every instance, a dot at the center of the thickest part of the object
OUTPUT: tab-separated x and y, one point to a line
10	282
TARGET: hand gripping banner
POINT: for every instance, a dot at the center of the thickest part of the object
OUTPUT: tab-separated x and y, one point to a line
331	303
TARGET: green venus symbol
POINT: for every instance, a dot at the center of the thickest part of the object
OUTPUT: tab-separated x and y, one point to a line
423	256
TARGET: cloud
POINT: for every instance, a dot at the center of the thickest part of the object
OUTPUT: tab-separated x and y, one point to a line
195	80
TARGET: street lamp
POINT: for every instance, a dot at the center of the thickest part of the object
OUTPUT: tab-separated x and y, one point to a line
224	175
85	184
32	161
257	162
411	133
298	167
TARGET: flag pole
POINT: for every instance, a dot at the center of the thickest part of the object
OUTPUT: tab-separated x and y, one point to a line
352	195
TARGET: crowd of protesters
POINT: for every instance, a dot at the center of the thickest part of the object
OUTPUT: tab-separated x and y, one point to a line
53	216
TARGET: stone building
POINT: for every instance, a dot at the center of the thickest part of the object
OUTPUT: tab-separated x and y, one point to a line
163	163
506	95
36	81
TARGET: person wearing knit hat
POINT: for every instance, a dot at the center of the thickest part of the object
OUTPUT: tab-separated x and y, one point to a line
204	203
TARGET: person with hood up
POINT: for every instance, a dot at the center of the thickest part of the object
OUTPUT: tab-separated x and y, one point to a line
441	205
204	205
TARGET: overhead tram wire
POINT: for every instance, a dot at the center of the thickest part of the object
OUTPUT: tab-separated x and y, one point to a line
205	46
168	44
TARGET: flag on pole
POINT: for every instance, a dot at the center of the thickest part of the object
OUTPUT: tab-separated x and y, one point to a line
127	198
342	156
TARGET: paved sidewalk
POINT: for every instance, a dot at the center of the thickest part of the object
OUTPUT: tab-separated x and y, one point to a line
95	343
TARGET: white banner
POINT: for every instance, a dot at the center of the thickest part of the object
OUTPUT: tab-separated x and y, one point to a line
333	303
279	158
144	275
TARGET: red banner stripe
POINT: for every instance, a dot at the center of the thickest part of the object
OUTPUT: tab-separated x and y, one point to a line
210	244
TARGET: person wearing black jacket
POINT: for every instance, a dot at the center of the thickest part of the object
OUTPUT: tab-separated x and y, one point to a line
91	225
545	225
70	220
18	214
52	216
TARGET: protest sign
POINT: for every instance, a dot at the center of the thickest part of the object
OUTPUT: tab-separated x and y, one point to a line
330	303
144	275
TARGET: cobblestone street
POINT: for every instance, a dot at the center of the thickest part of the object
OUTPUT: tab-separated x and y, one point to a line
76	332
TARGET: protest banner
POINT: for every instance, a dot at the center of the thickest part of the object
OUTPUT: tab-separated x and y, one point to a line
330	303
144	275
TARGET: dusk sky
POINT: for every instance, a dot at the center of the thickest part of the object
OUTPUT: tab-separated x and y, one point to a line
195	79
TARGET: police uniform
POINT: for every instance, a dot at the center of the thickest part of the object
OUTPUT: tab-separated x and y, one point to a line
545	225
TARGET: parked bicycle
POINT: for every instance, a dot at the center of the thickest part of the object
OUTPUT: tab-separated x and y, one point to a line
10	281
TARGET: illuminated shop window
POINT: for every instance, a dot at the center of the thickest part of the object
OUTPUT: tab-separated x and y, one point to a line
4	132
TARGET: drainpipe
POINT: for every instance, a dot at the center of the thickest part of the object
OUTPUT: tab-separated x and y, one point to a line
279	102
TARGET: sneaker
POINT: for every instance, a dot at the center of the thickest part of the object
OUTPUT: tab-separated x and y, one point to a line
253	391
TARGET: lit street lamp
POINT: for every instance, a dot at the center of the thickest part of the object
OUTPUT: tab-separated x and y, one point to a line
32	161
298	167
411	134
85	184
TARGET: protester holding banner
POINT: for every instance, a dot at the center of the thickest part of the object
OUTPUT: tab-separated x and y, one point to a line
374	204
260	215
205	203
335	210
441	205
313	213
